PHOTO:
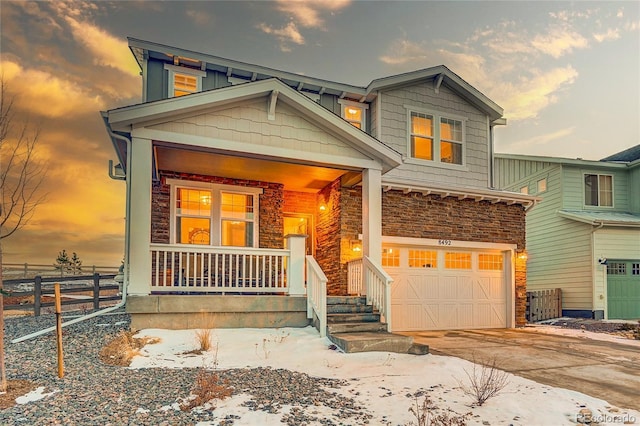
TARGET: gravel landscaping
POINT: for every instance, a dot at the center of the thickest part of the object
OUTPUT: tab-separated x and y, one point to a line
93	393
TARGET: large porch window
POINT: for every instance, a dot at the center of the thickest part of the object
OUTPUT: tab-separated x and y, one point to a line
213	214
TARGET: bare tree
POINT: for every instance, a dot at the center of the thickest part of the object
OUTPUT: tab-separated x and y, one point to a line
21	177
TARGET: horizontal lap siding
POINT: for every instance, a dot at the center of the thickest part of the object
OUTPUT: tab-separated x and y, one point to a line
612	244
248	123
574	188
559	249
394	120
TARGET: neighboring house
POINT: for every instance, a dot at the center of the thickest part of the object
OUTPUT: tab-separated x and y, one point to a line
584	236
249	189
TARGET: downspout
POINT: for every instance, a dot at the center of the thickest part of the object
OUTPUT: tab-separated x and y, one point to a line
125	282
595	228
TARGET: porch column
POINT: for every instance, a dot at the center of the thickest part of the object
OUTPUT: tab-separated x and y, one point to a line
139	172
372	214
295	268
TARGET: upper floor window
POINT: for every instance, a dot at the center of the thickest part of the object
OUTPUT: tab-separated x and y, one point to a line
353	112
524	190
542	185
183	80
598	190
436	138
212	214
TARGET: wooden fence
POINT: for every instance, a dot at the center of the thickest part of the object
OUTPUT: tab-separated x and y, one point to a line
42	293
544	304
30	270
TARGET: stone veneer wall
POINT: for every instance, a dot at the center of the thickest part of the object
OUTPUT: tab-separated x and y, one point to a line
271	203
327	236
300	202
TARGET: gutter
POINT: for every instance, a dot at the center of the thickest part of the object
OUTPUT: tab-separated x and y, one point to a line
125	282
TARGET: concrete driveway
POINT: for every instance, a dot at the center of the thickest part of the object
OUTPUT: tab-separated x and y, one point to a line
604	370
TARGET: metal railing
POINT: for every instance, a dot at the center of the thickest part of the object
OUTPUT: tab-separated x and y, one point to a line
317	294
218	269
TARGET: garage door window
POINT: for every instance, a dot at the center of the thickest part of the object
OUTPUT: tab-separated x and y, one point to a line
454	260
635	269
423	259
490	262
617	268
390	257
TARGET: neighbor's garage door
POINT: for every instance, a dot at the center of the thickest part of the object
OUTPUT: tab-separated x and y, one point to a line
623	289
441	289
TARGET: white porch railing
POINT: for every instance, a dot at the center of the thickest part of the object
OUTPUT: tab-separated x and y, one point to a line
355	283
365	277
317	294
218	269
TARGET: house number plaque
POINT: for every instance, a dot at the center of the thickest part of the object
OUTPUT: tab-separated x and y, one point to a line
444	242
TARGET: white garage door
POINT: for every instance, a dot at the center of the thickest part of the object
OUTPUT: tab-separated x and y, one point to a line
442	289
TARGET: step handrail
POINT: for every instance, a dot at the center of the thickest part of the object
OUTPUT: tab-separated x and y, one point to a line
377	285
317	294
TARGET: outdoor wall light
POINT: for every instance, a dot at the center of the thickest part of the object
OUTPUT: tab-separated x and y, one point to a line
602	261
356	246
322	207
523	255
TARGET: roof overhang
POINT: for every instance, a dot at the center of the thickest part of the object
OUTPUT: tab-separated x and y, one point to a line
566	161
127	118
626	220
459	192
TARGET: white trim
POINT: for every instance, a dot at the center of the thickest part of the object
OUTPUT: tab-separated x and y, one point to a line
455	244
436	116
362	106
216	217
173	70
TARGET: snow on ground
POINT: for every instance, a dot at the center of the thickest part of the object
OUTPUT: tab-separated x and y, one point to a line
379	381
35	395
582	334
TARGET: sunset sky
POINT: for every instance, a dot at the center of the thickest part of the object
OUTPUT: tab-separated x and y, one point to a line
566	73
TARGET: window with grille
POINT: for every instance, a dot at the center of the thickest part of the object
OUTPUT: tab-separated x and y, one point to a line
390	257
635	269
490	262
616	268
457	260
436	138
423	259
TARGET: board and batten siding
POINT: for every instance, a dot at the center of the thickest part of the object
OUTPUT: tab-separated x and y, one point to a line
247	122
634	189
612	244
573	183
394	118
559	249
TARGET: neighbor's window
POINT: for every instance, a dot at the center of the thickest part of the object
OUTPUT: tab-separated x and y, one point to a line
598	190
423	259
390	257
353	112
436	138
524	190
183	80
215	214
542	185
489	262
616	268
456	260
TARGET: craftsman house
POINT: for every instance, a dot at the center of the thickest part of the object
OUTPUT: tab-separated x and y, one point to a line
584	236
254	193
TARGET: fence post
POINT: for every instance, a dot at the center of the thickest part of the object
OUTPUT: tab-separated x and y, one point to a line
26	270
96	291
37	294
93	269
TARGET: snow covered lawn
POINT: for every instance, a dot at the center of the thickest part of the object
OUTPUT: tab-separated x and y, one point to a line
383	382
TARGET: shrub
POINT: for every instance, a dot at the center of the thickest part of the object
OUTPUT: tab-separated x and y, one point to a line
484	381
121	349
426	414
208	387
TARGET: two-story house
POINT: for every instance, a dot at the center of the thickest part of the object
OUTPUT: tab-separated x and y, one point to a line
253	193
584	236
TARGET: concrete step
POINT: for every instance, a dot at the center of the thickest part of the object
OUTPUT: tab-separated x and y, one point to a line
373	342
346	300
345	308
348	317
355	327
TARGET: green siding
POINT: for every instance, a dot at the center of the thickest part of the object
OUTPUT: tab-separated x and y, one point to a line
573	182
623	292
330	102
215	80
634	189
156	81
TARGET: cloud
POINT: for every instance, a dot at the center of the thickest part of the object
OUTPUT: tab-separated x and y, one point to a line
48	95
306	13
286	35
200	17
610	34
527	97
559	42
106	49
544	139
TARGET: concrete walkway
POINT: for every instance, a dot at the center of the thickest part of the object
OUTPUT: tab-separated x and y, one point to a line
604	370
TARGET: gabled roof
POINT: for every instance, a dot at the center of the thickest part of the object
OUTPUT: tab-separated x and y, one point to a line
440	75
627	156
602	218
123	119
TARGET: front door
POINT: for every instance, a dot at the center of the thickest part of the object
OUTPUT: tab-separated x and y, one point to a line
623	289
301	224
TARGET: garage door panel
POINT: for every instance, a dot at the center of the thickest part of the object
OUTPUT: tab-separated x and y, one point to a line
439	298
